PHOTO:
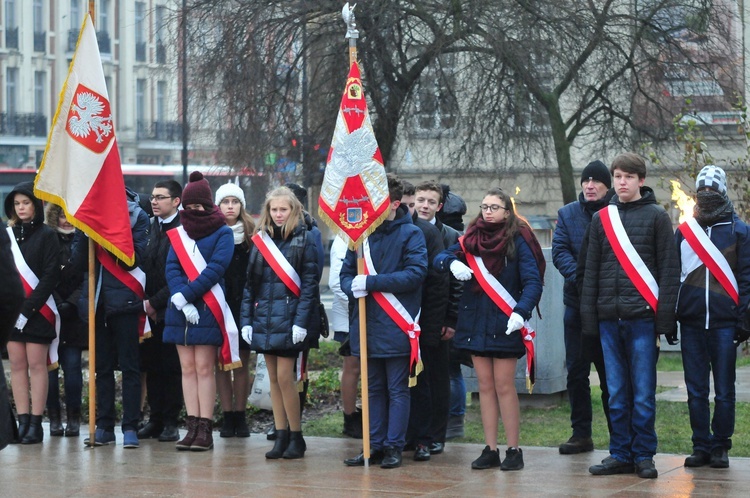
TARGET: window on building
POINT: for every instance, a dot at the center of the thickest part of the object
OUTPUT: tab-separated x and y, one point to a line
40	36
75	15
161	111
140	31
11	90
140	108
39	84
11	26
103	15
160	33
435	103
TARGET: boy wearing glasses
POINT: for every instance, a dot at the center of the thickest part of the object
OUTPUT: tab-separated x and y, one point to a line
630	284
159	361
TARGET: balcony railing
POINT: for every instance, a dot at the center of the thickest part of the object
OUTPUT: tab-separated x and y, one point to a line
23	125
105	44
140	51
161	53
11	37
40	41
165	131
72	40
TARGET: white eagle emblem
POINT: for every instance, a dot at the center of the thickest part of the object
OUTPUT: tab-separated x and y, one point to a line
89	107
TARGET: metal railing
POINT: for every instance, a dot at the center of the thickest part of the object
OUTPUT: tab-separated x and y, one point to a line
23	125
165	131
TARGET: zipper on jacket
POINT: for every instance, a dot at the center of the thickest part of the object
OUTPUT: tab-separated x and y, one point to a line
708	232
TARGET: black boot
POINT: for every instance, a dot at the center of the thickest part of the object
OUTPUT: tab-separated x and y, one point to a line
35	433
271	433
55	424
73	425
228	425
23	426
297	446
280	445
240	425
353	424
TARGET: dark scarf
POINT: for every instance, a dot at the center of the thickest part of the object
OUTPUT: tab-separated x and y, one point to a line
199	224
711	207
592	207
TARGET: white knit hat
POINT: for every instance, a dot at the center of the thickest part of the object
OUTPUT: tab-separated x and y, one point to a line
712	177
230	190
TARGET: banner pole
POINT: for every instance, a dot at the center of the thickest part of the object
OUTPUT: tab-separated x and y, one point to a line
92	345
363	364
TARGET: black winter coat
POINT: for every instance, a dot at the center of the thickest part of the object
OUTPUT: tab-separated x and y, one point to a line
435	287
608	293
155	265
236	277
450	236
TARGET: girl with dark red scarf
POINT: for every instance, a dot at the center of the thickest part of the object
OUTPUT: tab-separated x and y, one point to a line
507	246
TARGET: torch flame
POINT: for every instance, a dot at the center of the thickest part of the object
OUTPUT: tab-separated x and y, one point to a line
684	202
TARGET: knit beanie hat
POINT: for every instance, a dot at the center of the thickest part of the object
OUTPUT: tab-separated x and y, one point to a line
230	190
197	191
598	171
712	177
299	192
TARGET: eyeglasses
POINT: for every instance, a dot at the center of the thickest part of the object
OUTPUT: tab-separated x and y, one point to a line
159	197
493	208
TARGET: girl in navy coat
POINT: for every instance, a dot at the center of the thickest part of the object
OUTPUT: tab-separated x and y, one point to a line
507	245
189	322
275	320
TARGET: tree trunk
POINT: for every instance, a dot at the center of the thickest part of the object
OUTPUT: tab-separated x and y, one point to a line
562	153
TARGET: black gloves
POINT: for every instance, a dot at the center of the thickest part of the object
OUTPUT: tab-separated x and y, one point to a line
741	334
672	338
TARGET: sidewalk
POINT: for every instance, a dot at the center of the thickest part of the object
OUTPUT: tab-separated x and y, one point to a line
237	467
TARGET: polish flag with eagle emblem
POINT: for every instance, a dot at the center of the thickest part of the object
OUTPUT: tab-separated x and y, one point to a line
354	196
81	170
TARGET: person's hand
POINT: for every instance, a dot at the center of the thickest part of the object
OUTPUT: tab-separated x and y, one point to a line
191	313
741	334
447	333
298	334
247	334
460	271
179	301
672	339
359	286
515	322
21	322
150	310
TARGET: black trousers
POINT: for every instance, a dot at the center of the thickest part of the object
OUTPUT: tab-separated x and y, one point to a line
161	363
430	398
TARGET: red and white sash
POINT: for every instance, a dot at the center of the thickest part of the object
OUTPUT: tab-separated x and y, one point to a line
396	311
135	280
710	256
193	264
278	263
48	309
502	298
628	257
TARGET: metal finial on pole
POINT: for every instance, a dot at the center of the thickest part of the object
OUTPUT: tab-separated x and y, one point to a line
351	30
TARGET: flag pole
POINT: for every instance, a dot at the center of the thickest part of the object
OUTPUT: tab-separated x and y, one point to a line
92	321
352	34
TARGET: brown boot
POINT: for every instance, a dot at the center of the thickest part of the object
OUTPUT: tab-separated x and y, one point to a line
205	440
191	423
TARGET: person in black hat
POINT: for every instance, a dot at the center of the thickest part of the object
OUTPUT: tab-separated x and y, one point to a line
572	221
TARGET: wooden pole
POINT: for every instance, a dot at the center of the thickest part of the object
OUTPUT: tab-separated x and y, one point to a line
92	319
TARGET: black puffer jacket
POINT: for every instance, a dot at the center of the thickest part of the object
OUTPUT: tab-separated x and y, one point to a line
270	307
450	236
608	293
434	289
236	277
40	249
155	265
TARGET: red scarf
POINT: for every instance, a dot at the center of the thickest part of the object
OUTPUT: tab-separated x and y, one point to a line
199	224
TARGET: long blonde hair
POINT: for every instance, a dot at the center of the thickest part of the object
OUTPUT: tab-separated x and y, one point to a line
266	224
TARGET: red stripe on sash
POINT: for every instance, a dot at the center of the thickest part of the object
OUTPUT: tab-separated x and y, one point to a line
709	261
271	258
128	280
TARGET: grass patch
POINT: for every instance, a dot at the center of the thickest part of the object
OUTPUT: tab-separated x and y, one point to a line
324	357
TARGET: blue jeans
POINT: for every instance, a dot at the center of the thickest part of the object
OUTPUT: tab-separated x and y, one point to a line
630	355
705	352
458	391
389	401
70	361
580	353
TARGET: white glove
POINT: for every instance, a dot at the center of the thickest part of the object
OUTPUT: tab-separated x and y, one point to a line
298	334
191	313
359	284
515	322
461	271
21	322
179	301
247	334
358	294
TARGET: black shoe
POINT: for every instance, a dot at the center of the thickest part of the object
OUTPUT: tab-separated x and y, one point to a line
73	423
421	453
513	459
227	425
23	426
55	423
719	458
170	433
296	447
488	458
280	445
353	424
241	428
35	434
576	445
646	469
698	459
610	466
271	433
150	430
436	448
392	458
376	458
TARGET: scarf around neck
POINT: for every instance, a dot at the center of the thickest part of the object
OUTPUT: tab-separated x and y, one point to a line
238	230
199	224
711	207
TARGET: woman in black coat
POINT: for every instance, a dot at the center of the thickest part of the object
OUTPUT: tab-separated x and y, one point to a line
33	332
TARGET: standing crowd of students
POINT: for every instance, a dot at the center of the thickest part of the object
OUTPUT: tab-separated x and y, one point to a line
218	286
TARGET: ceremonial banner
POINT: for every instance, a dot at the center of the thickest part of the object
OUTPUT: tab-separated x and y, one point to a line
354	197
81	170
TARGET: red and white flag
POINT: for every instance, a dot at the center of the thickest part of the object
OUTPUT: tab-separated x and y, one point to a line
81	169
354	196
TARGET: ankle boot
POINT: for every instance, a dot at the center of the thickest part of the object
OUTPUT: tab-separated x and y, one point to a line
35	433
73	425
204	441
240	428
280	445
228	425
297	446
191	423
23	426
55	424
353	424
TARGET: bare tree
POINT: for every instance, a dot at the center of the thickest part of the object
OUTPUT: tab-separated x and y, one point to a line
506	78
